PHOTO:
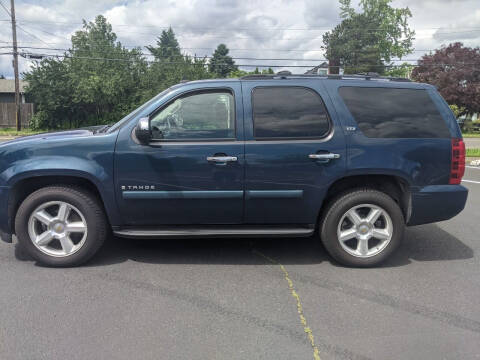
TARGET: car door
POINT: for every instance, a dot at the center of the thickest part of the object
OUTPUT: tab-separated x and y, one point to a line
192	170
294	150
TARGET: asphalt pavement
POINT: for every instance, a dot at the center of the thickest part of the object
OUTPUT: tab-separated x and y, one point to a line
250	299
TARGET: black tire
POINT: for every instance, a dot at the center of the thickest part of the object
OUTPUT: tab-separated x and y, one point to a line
85	202
346	201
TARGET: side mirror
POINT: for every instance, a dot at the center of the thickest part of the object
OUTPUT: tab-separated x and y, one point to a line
142	130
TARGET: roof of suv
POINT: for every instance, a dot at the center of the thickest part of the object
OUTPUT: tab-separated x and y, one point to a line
288	76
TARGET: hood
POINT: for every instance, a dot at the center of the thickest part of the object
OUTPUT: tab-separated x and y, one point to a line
58	134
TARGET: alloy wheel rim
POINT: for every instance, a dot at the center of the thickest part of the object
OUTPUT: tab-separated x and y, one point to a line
57	228
365	230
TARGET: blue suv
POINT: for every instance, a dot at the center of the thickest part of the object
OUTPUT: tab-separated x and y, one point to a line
351	159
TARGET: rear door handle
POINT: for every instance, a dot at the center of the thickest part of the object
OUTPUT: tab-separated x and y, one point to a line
222	159
327	156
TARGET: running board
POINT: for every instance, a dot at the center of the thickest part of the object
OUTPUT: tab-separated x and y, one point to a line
214	231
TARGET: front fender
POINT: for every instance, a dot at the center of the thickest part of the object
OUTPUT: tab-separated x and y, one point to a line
55	165
80	155
40	166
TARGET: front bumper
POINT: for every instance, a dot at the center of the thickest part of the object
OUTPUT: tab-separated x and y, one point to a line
6	237
437	203
5	229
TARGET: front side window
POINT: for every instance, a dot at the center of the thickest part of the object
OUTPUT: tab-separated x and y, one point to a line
394	113
288	112
197	116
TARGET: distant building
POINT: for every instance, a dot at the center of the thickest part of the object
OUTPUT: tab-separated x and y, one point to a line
8	110
7	90
322	69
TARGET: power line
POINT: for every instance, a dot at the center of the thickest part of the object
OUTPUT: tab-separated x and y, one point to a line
49	33
186	48
32	35
247	65
267	37
6	9
209	57
189	35
211	35
234	37
205	48
312	28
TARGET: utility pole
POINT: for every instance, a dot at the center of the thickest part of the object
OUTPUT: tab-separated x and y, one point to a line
15	66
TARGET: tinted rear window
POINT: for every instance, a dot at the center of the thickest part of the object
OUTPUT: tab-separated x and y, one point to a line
394	113
288	112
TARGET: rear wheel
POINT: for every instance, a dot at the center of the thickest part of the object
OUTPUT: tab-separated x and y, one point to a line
60	225
362	227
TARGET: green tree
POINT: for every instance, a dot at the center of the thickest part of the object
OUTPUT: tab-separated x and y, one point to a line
221	63
161	75
94	82
98	80
50	88
107	87
458	111
364	42
239	73
400	71
168	48
170	66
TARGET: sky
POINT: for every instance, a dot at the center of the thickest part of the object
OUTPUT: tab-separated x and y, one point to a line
290	30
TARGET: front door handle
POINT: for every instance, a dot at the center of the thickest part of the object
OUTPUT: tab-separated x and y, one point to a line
327	156
222	159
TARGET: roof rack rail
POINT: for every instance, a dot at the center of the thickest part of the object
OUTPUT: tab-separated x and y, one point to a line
258	77
284	75
399	79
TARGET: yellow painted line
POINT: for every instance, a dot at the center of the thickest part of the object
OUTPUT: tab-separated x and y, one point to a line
295	295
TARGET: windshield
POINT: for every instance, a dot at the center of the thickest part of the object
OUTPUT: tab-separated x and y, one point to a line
125	119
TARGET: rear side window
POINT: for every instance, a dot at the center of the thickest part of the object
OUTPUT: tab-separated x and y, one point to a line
394	113
288	112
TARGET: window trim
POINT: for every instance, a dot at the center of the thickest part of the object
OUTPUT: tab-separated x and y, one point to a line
327	134
194	92
393	88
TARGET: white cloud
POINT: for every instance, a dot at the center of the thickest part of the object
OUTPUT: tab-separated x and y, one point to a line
258	26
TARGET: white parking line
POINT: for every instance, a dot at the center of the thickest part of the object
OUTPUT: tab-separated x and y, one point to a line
473	167
471	181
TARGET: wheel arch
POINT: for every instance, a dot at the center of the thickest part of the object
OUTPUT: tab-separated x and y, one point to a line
28	183
396	187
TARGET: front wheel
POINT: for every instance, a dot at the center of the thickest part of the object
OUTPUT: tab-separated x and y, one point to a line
362	228
61	226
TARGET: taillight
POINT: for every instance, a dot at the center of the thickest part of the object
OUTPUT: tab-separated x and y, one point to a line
457	167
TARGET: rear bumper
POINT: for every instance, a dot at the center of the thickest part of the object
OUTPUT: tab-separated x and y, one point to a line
437	203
